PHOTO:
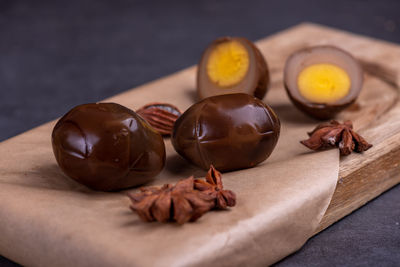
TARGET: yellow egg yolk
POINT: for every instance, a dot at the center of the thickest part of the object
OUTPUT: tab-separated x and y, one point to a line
228	63
323	83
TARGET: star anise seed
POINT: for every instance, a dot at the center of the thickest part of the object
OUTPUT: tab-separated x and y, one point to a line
213	186
180	202
187	201
337	134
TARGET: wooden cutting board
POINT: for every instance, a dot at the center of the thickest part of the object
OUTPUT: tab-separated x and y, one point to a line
376	113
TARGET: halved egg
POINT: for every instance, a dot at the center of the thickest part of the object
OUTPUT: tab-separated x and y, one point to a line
232	65
322	80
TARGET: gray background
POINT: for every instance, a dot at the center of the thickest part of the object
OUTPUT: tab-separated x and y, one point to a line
57	54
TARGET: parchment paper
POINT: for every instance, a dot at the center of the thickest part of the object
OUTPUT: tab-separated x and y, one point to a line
46	219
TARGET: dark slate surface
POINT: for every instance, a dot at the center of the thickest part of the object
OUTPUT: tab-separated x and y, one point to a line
57	54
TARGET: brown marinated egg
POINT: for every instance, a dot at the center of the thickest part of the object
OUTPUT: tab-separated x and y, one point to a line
322	80
231	132
232	65
106	146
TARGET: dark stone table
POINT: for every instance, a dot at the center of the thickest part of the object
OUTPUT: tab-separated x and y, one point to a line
57	54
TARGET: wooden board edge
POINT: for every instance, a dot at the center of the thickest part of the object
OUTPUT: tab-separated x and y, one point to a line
364	184
307	24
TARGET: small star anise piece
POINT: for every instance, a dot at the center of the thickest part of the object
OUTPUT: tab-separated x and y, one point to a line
335	134
189	204
180	203
161	116
213	187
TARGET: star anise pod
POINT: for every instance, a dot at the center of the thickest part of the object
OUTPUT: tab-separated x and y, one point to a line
187	201
335	134
161	116
180	203
213	187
